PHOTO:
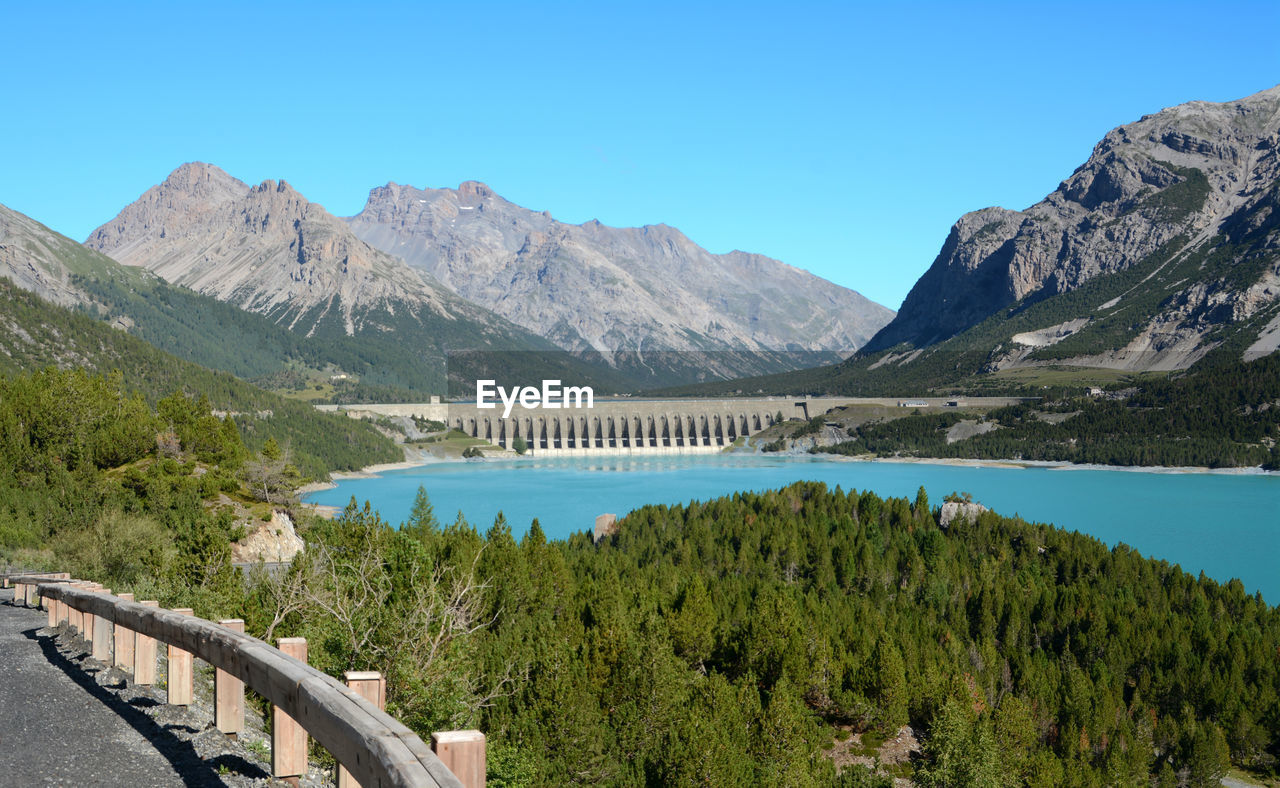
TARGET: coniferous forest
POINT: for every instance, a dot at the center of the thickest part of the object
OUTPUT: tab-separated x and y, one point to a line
733	641
1221	415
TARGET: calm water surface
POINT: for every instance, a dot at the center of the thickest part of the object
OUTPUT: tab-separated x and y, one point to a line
1226	525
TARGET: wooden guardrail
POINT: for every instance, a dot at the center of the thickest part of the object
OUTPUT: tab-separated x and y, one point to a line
374	749
11	577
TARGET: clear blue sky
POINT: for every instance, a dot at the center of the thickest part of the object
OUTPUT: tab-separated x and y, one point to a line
842	138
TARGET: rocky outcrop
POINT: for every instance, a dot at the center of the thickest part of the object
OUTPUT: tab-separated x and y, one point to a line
962	510
591	286
1196	172
606	526
274	542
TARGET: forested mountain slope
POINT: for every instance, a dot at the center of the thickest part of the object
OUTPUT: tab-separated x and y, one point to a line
1220	416
35	334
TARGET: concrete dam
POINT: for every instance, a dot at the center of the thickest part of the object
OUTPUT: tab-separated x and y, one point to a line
611	426
624	425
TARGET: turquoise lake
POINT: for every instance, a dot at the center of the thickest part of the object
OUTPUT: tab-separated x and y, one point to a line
1226	525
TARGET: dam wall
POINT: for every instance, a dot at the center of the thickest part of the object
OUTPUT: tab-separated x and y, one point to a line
628	425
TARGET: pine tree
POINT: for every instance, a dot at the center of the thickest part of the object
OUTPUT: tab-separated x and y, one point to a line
693	622
422	517
890	684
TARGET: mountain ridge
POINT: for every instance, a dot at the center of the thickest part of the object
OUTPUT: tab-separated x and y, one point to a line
645	286
1183	171
218	334
265	248
1159	253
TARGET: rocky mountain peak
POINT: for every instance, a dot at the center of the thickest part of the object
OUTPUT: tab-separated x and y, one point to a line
471	191
198	178
194	190
266	248
592	286
1180	172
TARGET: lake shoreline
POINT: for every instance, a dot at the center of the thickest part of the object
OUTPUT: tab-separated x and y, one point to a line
368	472
1178	515
1062	465
423	459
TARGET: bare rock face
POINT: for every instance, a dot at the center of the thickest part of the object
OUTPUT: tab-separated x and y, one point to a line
32	256
265	248
1185	172
959	510
272	542
590	286
606	526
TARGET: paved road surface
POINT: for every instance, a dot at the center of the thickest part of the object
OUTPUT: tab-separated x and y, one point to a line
59	728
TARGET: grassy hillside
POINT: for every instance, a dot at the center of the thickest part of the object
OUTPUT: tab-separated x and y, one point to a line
35	334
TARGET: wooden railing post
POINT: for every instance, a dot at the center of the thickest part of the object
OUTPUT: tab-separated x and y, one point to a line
51	606
87	619
102	636
69	612
371	686
144	655
463	753
180	668
228	693
84	622
288	738
124	641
